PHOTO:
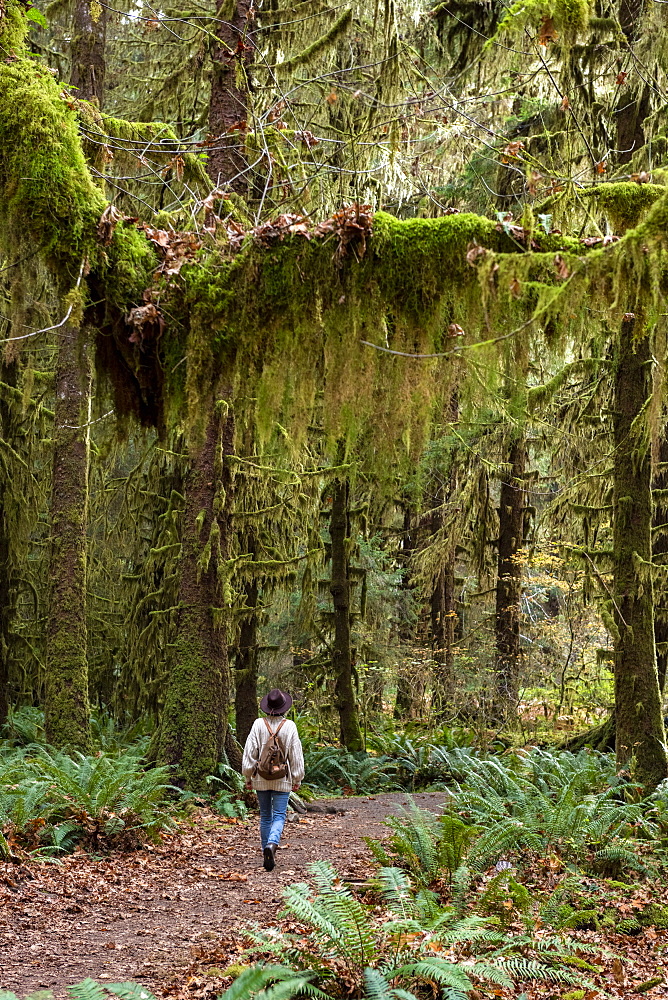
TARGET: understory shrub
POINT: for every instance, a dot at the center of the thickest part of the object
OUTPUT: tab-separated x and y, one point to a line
347	947
90	990
572	807
52	800
335	770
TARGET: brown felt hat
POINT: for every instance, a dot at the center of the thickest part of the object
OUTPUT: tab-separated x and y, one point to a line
277	702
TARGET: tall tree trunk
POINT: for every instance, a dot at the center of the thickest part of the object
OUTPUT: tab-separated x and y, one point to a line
444	618
443	624
245	673
88	50
660	549
509	578
8	374
194	720
229	102
634	102
407	691
640	737
66	706
342	661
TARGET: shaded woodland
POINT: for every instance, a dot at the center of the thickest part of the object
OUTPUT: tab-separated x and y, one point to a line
332	357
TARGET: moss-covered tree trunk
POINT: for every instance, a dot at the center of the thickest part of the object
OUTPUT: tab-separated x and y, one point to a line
245	673
509	578
229	100
87	49
194	719
66	707
342	660
640	737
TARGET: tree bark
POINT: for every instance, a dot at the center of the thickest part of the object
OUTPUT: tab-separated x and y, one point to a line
87	49
245	701
660	554
229	107
342	661
443	625
509	579
8	374
405	699
194	720
640	737
66	706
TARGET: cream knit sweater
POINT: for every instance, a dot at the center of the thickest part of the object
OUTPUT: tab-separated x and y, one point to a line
289	740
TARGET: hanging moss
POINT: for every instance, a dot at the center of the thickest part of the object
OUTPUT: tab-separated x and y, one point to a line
319	44
569	17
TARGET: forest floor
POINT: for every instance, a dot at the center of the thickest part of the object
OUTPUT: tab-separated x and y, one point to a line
165	915
170	916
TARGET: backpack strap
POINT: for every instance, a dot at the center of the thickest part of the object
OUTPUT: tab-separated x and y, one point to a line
273	732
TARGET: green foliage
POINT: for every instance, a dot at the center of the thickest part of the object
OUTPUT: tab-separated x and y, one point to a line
52	800
90	990
424	844
332	768
227	788
372	955
504	898
572	803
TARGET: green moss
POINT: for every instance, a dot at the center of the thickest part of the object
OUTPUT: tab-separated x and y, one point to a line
625	203
569	17
189	740
654	915
575	962
585	920
46	194
337	28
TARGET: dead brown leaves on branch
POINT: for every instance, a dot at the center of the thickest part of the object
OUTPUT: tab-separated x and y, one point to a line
147	322
351	226
174	248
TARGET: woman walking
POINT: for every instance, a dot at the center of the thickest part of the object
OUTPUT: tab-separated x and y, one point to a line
273	747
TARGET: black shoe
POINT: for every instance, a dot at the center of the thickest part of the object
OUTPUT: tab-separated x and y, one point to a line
269	857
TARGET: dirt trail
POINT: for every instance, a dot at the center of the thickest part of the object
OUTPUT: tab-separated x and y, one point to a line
146	915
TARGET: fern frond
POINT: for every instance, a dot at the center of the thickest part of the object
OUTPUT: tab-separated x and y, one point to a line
129	991
87	990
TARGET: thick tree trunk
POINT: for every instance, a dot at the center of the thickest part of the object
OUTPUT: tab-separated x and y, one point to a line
640	737
245	673
342	661
229	101
509	579
194	720
66	707
88	50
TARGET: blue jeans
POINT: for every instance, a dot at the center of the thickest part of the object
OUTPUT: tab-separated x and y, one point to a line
273	807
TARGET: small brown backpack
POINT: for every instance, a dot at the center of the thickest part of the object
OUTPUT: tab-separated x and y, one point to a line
272	765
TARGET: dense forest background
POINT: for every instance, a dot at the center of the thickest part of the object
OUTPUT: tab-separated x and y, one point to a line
333	350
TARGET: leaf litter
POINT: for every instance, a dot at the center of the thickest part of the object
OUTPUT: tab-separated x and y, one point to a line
171	915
